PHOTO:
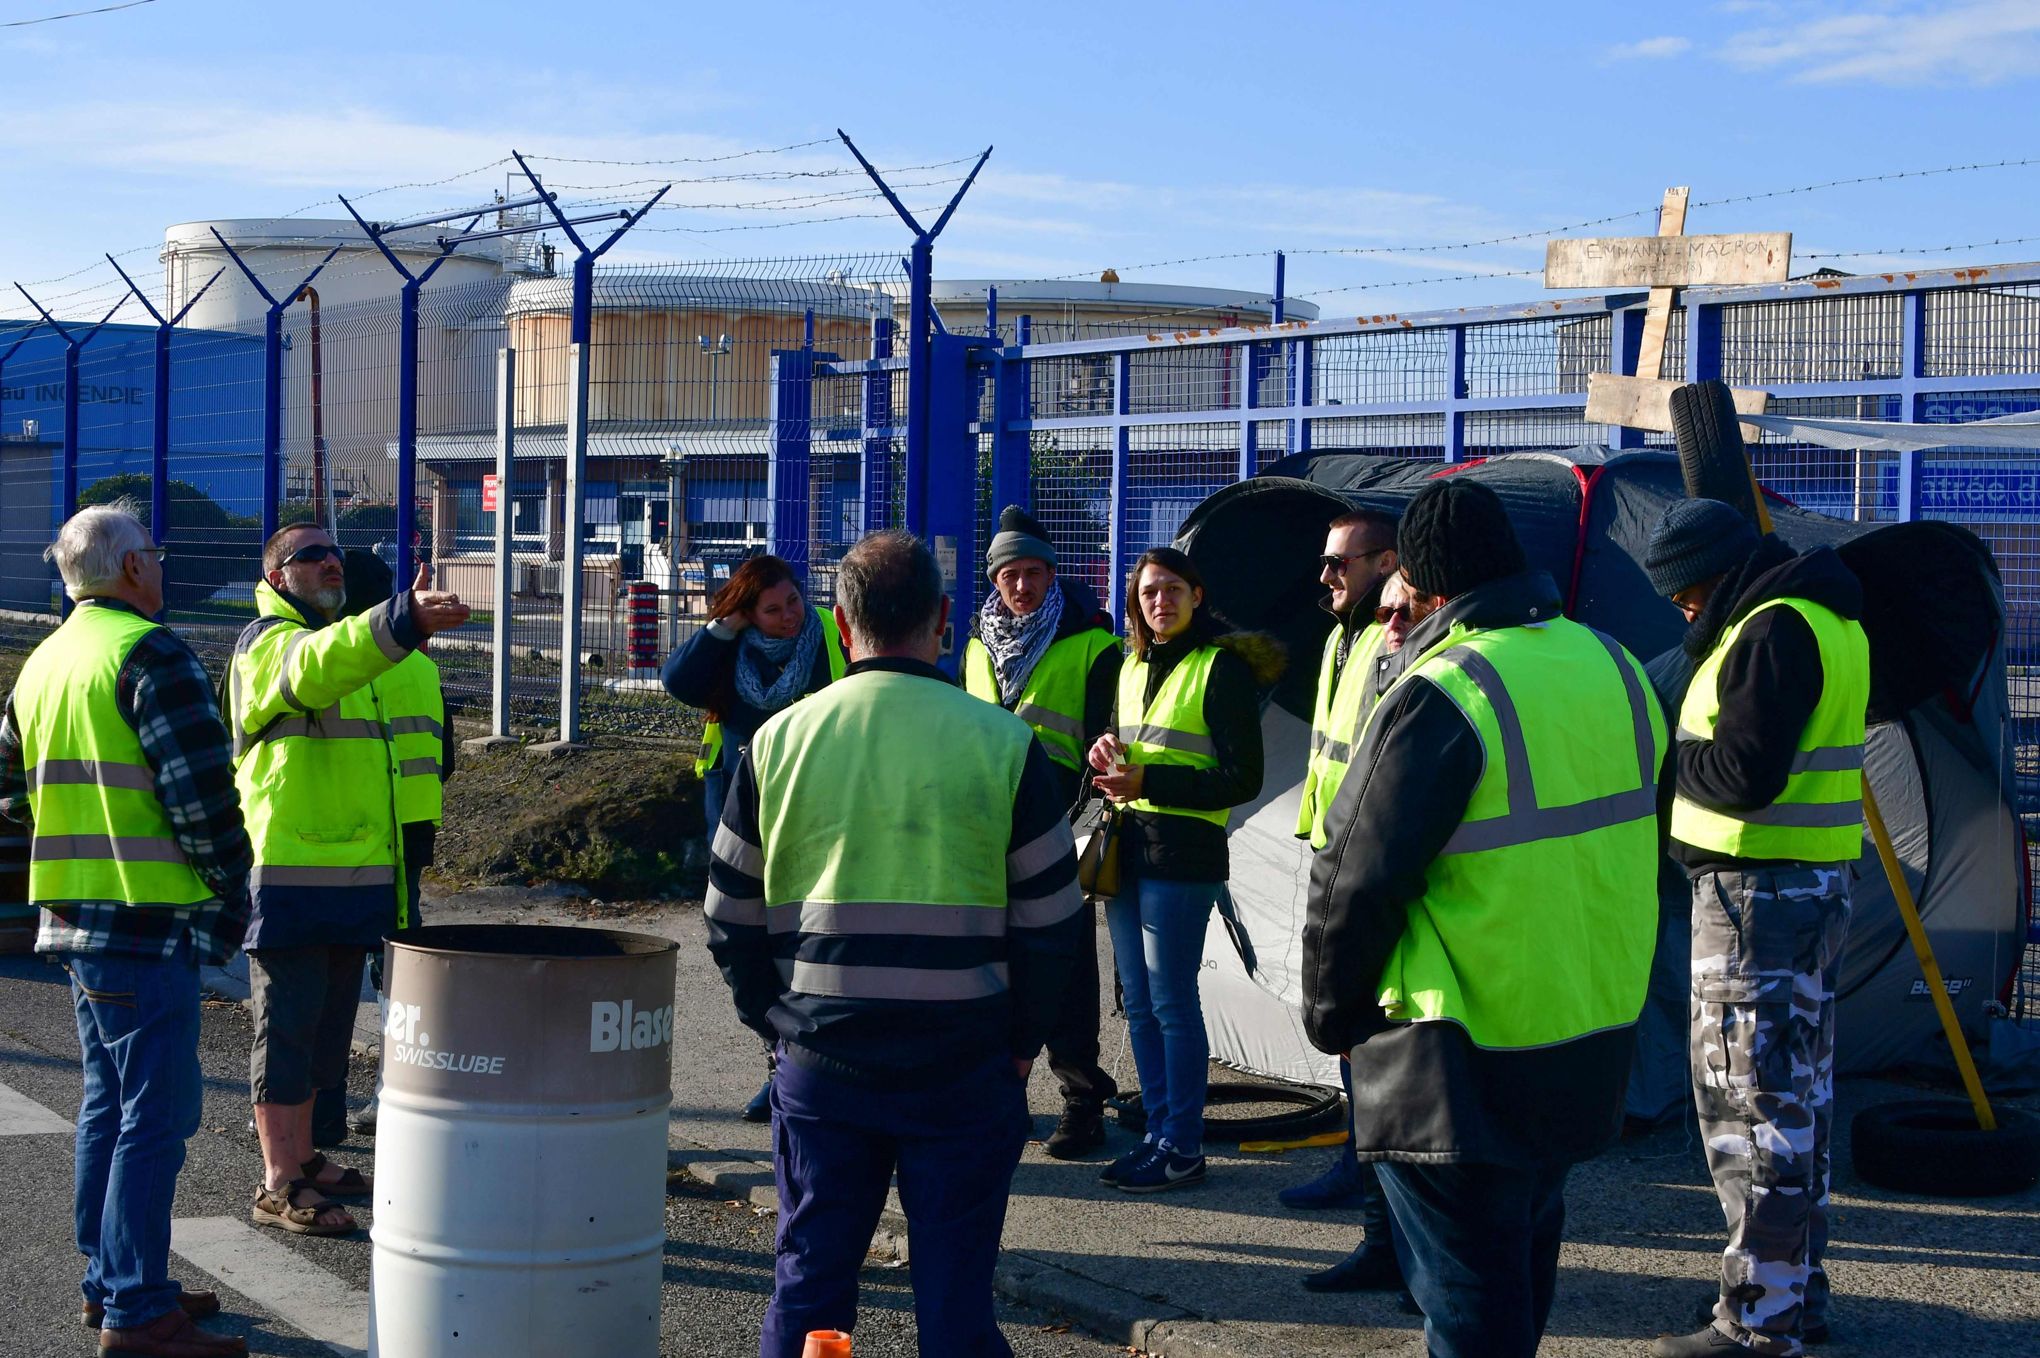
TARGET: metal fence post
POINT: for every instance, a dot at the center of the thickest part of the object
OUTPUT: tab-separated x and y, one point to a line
1625	343
920	295
1250	441
1703	340
1122	457
575	545
1012	478
1455	395
1912	357
1302	381
506	437
407	430
876	475
788	471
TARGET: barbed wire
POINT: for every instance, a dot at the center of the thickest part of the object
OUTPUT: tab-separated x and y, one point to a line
75	14
1921	249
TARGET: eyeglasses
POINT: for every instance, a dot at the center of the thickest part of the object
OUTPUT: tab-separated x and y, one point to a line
158	552
1332	561
1387	612
318	551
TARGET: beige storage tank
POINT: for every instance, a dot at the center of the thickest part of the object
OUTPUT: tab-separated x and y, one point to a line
649	366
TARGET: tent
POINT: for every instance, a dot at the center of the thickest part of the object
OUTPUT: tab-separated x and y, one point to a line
1939	753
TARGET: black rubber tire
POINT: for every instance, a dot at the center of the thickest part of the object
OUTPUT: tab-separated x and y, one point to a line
1934	1148
1712	459
1316	1110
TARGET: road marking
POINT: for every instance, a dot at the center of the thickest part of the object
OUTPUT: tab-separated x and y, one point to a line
23	1116
272	1275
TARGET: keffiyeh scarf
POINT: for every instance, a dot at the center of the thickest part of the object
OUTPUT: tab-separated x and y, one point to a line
1016	643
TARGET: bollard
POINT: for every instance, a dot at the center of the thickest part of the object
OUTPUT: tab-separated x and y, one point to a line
826	1344
644	627
520	1211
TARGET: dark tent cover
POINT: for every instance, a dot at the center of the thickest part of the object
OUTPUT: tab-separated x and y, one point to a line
1939	757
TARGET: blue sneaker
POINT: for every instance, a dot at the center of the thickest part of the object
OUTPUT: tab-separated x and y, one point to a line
1161	1170
1112	1172
1338	1185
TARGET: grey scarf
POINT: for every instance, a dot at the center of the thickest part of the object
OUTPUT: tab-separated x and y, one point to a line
795	655
1016	643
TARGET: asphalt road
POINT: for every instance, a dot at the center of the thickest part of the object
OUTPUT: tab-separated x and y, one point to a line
718	1253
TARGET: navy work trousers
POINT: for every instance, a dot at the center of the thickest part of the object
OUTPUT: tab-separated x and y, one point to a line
835	1147
1479	1249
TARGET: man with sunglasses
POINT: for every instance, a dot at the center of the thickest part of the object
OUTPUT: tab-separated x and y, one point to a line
317	774
1358	562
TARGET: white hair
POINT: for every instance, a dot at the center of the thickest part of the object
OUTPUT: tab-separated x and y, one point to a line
91	548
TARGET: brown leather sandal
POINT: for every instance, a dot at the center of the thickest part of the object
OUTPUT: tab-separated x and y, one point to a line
285	1209
352	1183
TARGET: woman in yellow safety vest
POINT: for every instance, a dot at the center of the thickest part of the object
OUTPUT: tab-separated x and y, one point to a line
1185	748
763	650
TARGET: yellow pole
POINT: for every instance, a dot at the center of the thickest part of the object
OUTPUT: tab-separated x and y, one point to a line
1929	968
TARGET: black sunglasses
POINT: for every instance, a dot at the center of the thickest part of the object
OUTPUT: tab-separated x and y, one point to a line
1388	611
318	551
1332	561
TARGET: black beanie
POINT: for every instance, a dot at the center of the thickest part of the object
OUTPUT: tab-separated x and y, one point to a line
1455	536
1695	541
369	581
1020	536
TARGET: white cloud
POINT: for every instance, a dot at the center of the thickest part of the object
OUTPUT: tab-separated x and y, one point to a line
1650	49
1982	42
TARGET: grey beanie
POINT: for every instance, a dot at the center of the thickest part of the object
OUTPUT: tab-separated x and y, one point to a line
1695	541
1020	536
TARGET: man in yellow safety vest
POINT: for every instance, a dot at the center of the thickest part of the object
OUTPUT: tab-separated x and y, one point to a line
1767	820
1480	921
1045	652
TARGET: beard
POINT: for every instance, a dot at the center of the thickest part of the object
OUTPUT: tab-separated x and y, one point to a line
328	599
1364	603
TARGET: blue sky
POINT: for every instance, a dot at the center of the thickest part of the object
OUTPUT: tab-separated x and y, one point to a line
1126	133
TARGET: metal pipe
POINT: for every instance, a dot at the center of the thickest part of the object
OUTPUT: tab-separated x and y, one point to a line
920	303
384	228
506	435
407	430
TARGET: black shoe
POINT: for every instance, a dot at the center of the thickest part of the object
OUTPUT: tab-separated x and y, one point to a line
759	1109
1363	1270
1816	1333
1110	1174
1407	1304
1079	1131
1707	1343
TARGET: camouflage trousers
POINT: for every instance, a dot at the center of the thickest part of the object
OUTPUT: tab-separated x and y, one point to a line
1767	946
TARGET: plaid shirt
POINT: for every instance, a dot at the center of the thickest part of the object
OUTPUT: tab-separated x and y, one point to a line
165	695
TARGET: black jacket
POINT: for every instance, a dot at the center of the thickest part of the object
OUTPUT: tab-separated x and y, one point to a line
1101	686
1423	1091
1769	685
1184	848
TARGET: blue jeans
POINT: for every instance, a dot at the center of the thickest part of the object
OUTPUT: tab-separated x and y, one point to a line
1158	944
835	1146
138	1035
1478	1246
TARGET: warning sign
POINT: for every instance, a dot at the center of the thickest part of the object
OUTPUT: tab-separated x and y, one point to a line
489	493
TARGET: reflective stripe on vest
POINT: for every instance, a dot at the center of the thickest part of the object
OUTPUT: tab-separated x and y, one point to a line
100	832
414	704
870	842
1818	817
1171	729
1052	699
1538	917
711	732
1345	699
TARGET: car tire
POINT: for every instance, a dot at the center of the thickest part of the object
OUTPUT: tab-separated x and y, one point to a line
1933	1147
1712	460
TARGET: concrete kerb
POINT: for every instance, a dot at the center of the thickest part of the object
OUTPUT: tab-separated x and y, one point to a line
1112	1313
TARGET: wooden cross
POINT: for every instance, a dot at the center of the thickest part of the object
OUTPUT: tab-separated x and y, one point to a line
1664	263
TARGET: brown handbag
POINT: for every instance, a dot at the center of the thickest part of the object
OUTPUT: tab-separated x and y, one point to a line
1098	864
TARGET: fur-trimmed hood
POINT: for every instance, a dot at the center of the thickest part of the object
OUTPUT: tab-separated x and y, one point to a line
1264	653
